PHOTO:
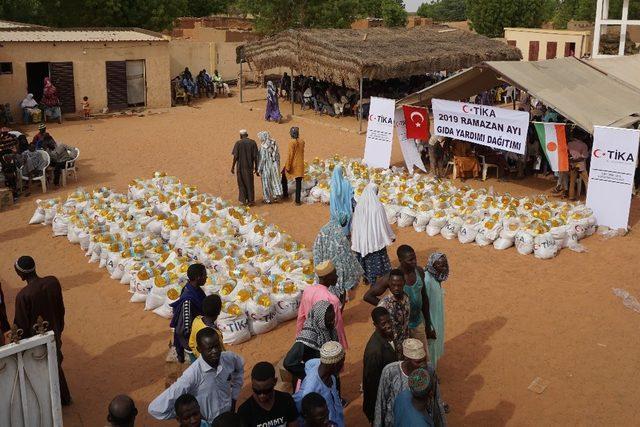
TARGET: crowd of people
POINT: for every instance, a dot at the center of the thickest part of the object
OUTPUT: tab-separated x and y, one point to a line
338	101
203	85
398	380
19	158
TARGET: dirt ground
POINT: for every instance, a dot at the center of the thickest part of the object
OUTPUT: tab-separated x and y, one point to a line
510	318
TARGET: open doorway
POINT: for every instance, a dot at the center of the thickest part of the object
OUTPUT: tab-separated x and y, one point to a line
36	72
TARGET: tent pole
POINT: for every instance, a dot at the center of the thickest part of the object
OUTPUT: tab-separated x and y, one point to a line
360	107
240	81
291	92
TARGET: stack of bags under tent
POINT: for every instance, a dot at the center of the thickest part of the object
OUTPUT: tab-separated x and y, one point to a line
534	225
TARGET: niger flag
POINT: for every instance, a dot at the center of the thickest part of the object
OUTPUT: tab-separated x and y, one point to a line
553	140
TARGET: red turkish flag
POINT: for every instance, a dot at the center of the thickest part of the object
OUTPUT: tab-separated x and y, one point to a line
417	121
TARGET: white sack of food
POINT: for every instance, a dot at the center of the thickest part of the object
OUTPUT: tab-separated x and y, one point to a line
235	329
406	217
261	319
286	305
545	246
435	225
467	233
72	233
451	228
49	214
38	214
84	240
391	211
524	242
164	311
60	225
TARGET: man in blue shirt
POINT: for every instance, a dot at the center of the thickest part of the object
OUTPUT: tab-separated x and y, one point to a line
417	406
321	378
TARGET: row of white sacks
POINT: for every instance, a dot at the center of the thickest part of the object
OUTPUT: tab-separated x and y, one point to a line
147	238
534	225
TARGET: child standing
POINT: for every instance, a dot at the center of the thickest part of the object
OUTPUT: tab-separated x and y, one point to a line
86	110
211	307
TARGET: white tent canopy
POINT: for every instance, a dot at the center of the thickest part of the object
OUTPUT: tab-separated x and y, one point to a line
578	91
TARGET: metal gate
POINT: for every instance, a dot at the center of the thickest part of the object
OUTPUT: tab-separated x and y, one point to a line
62	79
29	387
136	84
116	85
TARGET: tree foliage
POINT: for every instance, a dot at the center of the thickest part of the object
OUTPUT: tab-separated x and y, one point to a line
444	10
393	13
273	16
490	17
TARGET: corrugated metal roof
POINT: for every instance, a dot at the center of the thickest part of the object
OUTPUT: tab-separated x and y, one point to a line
10	24
581	93
623	68
79	35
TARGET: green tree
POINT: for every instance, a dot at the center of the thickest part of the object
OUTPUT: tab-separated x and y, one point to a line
490	17
393	13
200	8
444	10
272	16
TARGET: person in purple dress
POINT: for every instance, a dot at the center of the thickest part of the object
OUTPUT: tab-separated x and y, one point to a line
273	109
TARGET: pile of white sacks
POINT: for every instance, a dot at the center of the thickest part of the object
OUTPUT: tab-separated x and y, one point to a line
534	225
147	239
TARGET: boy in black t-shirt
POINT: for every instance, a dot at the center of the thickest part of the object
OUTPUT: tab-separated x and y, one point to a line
267	407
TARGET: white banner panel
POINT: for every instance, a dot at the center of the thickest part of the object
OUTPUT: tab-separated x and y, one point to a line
377	148
408	145
613	164
491	126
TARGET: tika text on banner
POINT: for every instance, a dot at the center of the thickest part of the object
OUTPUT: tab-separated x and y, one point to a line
613	164
490	126
377	148
407	145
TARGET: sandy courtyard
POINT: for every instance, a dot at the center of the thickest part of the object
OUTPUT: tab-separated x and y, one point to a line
510	318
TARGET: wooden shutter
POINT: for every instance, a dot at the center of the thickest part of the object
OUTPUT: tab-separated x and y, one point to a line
62	79
116	85
534	48
511	43
552	50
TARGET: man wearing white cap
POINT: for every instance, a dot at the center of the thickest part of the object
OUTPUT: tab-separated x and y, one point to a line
327	277
321	377
395	378
245	155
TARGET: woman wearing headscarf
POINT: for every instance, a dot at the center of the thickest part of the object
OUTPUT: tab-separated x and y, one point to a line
341	199
51	101
269	167
436	272
332	244
273	109
29	109
371	234
319	328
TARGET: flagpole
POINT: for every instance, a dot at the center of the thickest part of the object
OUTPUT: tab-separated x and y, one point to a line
360	107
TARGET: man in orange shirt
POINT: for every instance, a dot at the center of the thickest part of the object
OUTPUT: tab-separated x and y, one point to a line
294	167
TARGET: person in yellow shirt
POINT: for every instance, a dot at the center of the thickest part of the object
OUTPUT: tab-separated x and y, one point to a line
211	307
294	167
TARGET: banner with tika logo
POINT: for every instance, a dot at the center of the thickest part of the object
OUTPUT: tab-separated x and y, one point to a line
493	127
613	165
377	148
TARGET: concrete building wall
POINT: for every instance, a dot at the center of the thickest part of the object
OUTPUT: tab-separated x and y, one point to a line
523	36
89	69
193	54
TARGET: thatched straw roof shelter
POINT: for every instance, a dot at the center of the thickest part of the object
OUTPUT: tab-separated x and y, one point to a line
346	55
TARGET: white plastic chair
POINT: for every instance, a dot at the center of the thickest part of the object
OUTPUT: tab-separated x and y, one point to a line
70	168
486	166
43	175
